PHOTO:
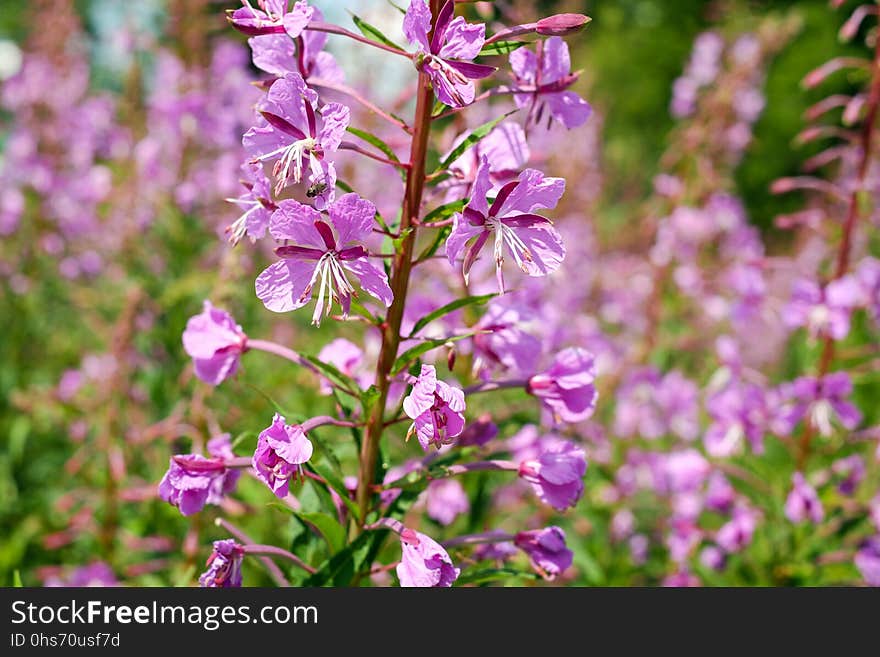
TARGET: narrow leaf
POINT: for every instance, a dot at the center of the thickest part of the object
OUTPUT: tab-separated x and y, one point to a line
449	308
473	138
410	355
372	32
501	48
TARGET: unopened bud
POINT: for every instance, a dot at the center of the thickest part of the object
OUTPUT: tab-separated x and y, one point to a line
562	24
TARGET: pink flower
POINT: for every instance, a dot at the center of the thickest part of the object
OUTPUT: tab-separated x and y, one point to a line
276	54
215	343
446	57
546	550
224	565
557	474
424	562
281	450
193	480
567	387
446	499
346	357
535	245
547	76
256	203
271	17
323	249
802	502
298	138
436	408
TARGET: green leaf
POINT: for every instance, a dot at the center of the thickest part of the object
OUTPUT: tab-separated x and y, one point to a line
410	355
493	575
373	140
398	241
328	527
372	32
473	138
501	48
240	438
444	212
333	375
397	7
337	484
449	308
340	569
16	579
434	246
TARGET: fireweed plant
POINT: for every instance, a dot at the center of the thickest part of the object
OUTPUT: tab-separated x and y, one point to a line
453	294
328	257
507	385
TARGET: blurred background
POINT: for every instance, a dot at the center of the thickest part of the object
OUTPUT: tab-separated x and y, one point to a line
120	129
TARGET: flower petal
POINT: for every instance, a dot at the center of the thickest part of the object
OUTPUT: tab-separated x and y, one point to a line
336	119
352	217
463	40
417	24
372	278
295	222
281	287
535	191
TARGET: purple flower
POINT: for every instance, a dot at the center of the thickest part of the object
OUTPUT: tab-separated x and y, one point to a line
281	450
868	275
685	470
713	557
436	408
298	138
215	343
738	412
802	502
506	150
682	539
557	474
345	356
446	499
272	17
224	565
277	55
650	405
737	533
720	495
820	399
193	480
681	579
447	57
567	387
478	432
546	550
424	562
255	202
851	469
543	80
823	312
94	575
317	248
535	245
502	342
867	560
